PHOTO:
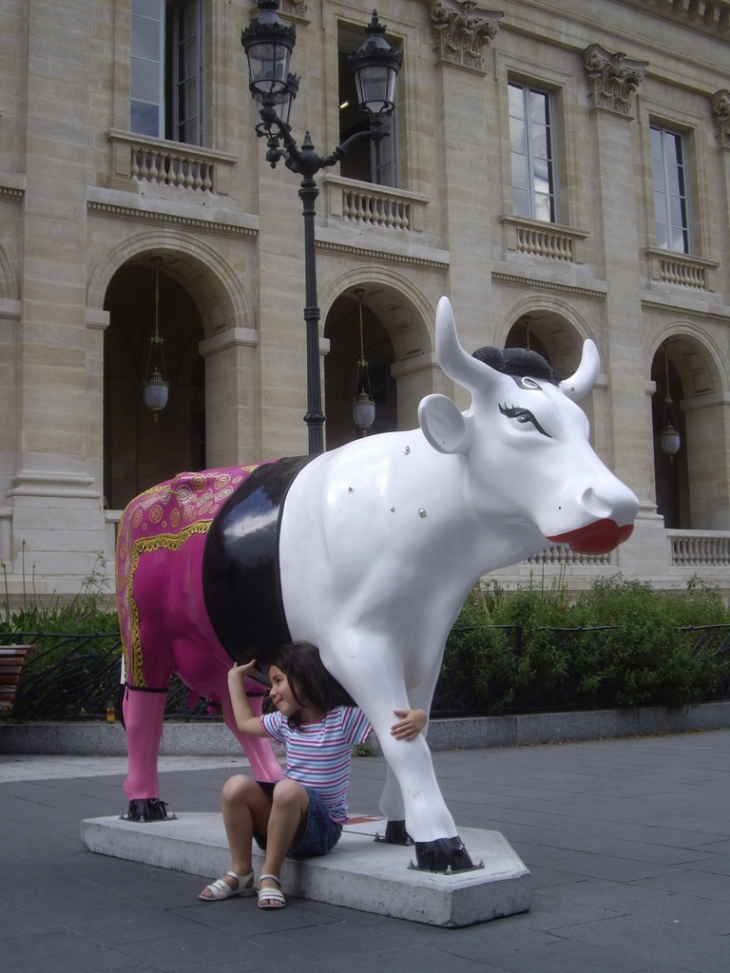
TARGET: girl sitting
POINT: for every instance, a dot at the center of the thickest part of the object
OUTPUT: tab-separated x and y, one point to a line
302	814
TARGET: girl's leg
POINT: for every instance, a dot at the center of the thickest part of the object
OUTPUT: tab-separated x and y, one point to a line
246	808
287	822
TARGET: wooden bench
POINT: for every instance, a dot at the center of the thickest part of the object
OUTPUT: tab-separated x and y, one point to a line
12	662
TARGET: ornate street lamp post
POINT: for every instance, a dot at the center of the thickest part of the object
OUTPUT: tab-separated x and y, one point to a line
268	43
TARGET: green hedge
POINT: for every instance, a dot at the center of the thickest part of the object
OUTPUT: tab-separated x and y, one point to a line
621	644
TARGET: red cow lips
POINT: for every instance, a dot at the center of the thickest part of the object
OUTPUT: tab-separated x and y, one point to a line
600	537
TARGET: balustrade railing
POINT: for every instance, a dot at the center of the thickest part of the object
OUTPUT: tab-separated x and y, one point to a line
699	549
550	241
680	269
375	209
562	554
171	169
367	204
189	168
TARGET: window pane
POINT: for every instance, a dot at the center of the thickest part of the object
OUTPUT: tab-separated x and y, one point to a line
518	136
185	71
521	201
543	208
516	101
144	118
670	199
538	107
520	172
531	142
145	39
145	81
146	67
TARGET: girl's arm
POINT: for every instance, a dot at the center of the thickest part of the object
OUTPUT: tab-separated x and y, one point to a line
246	720
410	725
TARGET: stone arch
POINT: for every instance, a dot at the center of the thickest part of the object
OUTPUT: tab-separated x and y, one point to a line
692	488
561	330
197	267
697	357
8	280
406	313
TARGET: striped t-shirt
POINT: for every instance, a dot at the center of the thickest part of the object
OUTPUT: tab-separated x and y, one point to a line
319	755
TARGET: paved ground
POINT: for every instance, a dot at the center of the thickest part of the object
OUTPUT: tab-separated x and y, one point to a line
628	843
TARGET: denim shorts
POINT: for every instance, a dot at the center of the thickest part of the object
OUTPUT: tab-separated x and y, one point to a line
321	834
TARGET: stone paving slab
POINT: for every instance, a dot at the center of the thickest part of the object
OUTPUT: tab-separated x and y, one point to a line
359	873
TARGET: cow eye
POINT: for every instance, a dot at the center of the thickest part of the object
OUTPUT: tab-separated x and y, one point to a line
523	416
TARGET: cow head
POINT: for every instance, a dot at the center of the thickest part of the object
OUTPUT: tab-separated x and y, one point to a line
525	444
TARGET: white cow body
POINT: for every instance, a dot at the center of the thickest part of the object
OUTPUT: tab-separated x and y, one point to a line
381	541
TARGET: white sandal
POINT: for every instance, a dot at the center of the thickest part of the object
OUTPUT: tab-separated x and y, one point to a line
220	889
271	895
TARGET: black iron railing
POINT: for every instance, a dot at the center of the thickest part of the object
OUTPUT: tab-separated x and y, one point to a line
77	677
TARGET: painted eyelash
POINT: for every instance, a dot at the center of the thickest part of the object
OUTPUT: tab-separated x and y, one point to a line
522	415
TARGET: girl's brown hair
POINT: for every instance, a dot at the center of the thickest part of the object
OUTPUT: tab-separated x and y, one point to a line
308	679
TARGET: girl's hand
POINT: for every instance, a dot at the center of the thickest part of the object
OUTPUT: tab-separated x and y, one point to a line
239	672
410	725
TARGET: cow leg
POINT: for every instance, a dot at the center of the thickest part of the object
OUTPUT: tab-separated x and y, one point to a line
391	800
428	820
143	712
260	753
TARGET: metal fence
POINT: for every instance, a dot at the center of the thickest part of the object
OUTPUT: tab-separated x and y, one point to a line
77	677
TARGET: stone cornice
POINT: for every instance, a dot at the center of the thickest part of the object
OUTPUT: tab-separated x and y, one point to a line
685	310
708	16
517	280
387	256
153	216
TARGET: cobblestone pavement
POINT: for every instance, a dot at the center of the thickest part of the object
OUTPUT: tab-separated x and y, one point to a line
628	843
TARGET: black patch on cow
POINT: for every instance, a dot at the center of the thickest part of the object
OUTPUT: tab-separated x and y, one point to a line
518	362
241	577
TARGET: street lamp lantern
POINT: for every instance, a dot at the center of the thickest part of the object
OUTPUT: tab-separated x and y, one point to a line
375	65
268	44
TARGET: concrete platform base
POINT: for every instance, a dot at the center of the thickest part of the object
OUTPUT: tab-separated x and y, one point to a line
359	873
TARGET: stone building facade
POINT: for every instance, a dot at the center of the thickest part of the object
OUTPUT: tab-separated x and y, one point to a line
561	170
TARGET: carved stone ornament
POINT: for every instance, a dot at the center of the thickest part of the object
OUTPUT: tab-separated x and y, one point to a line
297	8
613	78
459	37
721	113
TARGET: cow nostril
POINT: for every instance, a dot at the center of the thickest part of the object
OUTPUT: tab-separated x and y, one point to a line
595	506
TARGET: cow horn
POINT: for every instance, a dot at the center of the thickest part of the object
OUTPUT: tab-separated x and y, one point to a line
456	363
583	380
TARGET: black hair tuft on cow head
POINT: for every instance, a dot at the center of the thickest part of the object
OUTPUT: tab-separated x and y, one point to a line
518	362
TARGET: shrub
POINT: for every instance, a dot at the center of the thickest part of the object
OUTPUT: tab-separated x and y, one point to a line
621	644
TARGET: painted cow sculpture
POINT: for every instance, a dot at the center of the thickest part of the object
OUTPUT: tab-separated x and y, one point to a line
367	551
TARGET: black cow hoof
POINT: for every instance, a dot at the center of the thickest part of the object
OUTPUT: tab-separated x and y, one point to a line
146	809
443	855
396	834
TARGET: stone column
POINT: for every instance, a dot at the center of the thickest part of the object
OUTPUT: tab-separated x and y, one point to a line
613	79
462	105
231	397
55	494
708	424
417	377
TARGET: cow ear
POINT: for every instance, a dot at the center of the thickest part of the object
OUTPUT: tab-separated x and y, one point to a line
442	424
